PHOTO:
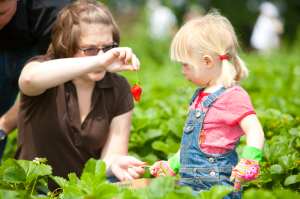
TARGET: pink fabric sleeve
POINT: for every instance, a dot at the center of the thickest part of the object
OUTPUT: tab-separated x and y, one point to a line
238	106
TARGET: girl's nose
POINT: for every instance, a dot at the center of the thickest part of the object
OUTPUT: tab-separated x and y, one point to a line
183	71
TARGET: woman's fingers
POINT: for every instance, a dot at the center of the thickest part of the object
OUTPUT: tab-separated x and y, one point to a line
139	170
135	62
127	177
133	173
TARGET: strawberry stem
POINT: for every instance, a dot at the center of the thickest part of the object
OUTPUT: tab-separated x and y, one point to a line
137	77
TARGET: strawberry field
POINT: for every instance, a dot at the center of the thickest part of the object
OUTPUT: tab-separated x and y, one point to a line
159	116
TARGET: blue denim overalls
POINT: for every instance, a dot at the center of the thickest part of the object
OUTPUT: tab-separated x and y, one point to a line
199	169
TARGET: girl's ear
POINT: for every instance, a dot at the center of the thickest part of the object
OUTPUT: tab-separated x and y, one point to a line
208	60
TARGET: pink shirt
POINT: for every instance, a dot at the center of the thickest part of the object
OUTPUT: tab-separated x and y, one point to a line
221	128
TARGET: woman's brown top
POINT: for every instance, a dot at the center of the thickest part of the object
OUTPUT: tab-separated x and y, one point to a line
49	125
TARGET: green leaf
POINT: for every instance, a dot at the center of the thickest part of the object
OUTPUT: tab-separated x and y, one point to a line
276	185
93	175
42	187
107	191
216	192
285	193
276	151
266	150
5	194
140	123
287	162
14	175
8	163
34	170
167	149
276	169
63	183
152	133
175	125
164	184
160	146
293	131
258	193
291	180
73	179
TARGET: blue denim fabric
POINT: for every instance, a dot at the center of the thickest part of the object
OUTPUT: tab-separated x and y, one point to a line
112	180
11	65
199	169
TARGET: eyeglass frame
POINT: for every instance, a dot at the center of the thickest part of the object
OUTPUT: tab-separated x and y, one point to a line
114	44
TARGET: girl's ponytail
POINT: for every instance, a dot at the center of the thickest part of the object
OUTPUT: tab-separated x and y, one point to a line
228	73
242	71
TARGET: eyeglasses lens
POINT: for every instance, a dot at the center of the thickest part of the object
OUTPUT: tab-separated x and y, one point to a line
91	51
94	51
107	48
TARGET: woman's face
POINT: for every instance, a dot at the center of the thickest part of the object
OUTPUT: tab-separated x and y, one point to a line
92	36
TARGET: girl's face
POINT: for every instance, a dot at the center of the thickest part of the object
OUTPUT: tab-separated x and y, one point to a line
94	37
200	77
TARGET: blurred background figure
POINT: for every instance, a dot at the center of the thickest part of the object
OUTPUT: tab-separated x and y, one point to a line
195	10
267	29
25	31
161	19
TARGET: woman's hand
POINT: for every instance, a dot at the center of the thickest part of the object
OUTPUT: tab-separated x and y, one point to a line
116	60
127	168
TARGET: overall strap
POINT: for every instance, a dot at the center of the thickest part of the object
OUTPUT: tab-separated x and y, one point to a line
213	96
195	95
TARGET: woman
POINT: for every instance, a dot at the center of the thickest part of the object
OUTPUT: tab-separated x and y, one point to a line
73	106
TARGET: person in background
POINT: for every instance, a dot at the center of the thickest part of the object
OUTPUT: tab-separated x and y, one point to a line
267	29
162	20
220	111
25	30
73	105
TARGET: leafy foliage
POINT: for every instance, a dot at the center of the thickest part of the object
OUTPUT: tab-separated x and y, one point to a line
22	178
92	183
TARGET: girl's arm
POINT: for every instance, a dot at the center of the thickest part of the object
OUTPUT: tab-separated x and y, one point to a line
253	130
36	77
114	152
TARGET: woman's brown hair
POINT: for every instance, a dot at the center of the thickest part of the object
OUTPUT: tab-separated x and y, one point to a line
67	29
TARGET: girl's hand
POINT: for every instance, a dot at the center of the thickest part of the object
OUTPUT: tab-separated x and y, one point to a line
116	59
127	168
245	171
162	168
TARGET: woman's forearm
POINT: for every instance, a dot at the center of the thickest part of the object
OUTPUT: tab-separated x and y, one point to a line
37	77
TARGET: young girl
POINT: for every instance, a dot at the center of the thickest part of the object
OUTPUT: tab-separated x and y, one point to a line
219	113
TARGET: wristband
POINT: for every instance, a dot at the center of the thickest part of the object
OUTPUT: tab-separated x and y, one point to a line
250	152
112	164
174	163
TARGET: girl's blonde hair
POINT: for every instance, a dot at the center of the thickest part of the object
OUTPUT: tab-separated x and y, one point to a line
71	21
213	35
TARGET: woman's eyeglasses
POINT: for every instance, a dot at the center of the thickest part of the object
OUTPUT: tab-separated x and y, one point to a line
91	51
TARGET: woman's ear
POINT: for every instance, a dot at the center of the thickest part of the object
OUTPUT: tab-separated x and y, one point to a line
208	60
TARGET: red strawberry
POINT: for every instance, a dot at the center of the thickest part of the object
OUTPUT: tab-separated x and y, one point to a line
136	91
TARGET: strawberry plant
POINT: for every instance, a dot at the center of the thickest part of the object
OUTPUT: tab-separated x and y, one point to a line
22	178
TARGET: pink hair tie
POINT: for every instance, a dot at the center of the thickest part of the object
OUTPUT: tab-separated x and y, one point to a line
223	57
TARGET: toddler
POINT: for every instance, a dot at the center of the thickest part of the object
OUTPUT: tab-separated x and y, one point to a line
220	111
